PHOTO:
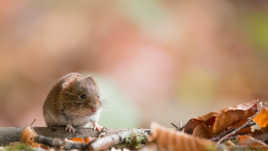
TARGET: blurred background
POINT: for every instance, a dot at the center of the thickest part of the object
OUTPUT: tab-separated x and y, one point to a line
154	60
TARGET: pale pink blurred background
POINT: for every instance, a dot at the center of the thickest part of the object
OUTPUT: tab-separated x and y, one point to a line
164	61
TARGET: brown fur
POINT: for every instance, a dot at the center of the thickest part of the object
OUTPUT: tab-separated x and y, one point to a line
66	105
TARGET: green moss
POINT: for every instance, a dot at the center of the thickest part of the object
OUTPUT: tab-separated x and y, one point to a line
135	141
212	148
18	147
235	141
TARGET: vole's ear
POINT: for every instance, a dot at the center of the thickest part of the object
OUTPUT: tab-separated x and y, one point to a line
68	79
90	78
63	83
91	82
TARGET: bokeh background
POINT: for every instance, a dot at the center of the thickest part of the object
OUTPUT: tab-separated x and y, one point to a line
154	60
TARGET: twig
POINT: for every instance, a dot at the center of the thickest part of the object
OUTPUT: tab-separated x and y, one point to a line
9	134
219	136
131	139
13	134
234	131
176	127
32	123
59	143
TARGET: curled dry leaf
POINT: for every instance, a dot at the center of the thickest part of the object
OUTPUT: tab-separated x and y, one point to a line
249	141
171	140
262	118
27	137
216	122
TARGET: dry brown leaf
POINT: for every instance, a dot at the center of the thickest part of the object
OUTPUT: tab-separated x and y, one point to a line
171	140
149	147
202	131
223	119
85	140
262	118
27	137
249	141
234	114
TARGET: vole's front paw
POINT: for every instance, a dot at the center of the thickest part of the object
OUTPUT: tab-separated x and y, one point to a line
97	127
69	128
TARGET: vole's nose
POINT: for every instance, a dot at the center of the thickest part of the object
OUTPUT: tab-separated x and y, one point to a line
93	109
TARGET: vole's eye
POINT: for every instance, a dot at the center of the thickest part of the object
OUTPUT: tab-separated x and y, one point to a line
83	96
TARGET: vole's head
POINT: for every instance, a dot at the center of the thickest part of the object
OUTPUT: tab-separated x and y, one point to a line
80	94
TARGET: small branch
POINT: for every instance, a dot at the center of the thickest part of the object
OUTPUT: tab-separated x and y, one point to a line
9	134
177	128
218	137
248	123
174	125
59	143
134	138
12	134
